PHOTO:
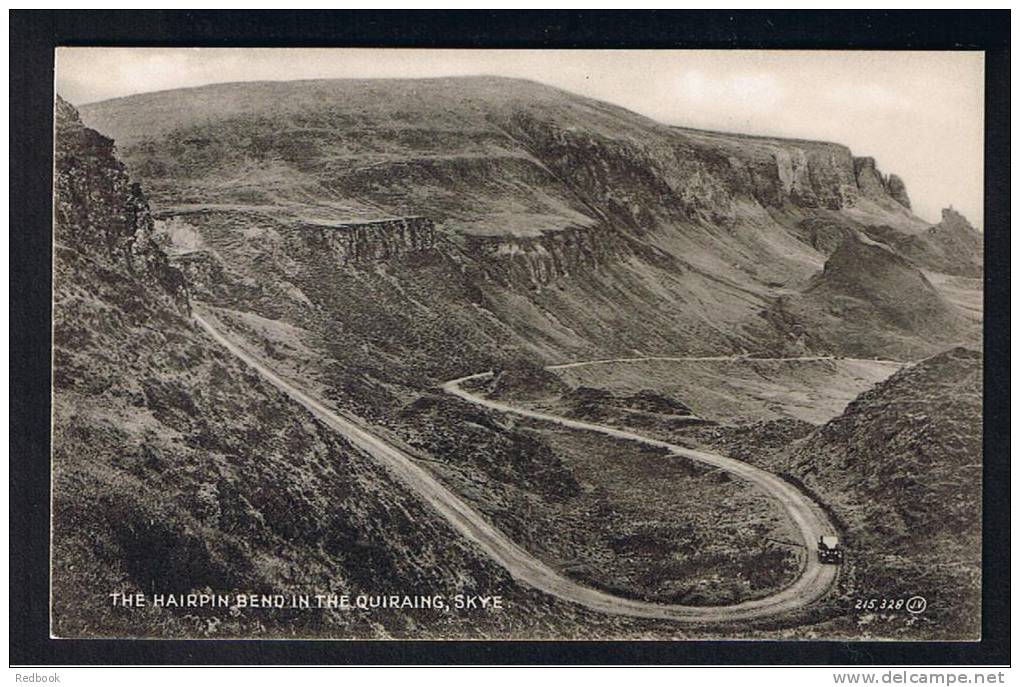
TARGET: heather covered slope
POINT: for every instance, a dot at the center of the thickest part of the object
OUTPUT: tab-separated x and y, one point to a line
899	471
901	468
911	447
176	470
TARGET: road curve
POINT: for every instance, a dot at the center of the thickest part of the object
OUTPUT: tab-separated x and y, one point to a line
814	581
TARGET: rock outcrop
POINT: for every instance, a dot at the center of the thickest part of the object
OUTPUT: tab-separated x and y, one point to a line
873	184
374	240
952	246
100	213
898	190
539	260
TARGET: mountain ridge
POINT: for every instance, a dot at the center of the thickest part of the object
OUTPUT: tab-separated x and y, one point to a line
481	103
552	212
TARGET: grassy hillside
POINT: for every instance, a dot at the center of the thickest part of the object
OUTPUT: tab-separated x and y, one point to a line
901	468
900	473
912	447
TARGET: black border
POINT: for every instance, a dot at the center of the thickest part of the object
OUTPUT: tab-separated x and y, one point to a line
34	34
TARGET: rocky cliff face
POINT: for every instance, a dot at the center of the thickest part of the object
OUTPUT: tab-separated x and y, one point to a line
810	176
354	243
954	222
898	190
99	212
874	184
681	174
805	174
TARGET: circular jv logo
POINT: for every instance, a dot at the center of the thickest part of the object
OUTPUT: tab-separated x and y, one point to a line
917	604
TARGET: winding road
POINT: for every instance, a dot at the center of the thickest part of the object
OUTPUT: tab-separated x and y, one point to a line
814	581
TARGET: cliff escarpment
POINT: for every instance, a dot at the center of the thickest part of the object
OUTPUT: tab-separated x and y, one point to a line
555	223
383	239
805	174
529	262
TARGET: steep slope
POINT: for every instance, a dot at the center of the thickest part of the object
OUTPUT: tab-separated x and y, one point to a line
902	470
99	210
953	246
868	301
175	470
553	218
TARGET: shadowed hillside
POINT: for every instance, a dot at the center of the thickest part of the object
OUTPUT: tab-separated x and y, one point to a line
902	469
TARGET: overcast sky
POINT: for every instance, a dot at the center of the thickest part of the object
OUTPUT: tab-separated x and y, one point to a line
920	114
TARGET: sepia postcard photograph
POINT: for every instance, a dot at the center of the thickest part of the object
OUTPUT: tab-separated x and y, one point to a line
519	345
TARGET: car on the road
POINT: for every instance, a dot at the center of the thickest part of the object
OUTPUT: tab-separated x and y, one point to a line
829	550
